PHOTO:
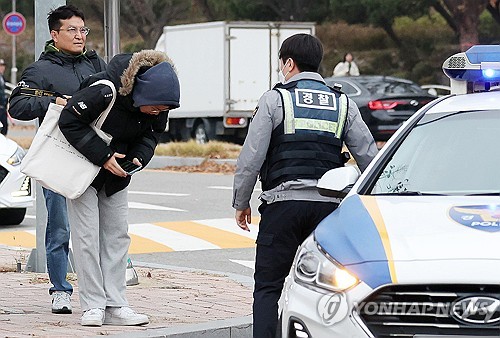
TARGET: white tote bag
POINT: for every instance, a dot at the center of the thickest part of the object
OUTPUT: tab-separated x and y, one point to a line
54	163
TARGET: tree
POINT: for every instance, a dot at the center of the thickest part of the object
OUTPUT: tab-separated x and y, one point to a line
463	17
380	13
279	10
493	7
145	17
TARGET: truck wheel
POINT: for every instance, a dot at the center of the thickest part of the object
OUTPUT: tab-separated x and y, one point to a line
200	133
12	216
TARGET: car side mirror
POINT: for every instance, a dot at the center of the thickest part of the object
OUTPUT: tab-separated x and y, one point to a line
338	182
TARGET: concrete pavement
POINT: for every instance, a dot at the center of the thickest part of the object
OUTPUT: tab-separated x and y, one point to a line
179	302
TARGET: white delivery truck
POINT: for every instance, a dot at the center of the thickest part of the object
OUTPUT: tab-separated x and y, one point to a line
223	69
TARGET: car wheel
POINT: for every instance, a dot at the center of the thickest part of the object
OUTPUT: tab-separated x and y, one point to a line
200	133
12	216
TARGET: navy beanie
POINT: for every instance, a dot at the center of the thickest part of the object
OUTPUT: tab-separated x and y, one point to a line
158	85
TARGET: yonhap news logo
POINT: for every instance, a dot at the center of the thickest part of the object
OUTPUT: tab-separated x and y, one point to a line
472	310
332	308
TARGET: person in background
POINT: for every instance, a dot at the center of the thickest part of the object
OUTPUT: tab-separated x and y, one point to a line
3	100
61	69
295	136
147	87
347	67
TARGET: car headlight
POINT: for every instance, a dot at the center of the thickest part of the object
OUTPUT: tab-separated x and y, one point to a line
16	158
315	269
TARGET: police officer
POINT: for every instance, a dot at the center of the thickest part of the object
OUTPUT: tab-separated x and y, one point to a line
296	136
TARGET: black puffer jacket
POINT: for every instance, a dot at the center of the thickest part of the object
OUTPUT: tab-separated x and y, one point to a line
54	71
135	134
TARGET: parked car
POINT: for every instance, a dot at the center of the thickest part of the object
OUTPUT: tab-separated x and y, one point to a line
385	102
436	89
16	193
413	248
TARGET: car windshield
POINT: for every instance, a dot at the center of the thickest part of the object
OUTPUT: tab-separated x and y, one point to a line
452	153
389	86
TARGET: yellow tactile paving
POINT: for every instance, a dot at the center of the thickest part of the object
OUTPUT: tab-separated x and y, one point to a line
221	238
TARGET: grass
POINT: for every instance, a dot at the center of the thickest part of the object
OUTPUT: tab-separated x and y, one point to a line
212	149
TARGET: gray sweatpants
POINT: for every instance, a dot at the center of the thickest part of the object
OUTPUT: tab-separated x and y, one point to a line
99	234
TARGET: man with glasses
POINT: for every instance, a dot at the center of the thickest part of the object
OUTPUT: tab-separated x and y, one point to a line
56	75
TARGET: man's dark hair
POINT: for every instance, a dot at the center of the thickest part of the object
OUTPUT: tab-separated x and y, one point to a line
62	13
306	50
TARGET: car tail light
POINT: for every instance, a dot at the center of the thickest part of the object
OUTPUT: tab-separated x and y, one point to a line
385	104
392	104
235	121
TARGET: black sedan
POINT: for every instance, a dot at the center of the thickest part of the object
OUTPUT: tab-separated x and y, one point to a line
385	102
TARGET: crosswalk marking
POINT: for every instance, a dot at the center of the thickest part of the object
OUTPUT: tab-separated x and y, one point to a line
137	205
140	244
154	193
229	224
176	240
248	264
219	187
219	237
167	236
18	238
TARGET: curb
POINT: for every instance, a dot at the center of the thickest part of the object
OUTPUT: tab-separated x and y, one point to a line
158	162
228	328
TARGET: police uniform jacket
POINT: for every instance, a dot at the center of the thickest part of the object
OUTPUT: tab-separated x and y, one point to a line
134	133
268	116
54	72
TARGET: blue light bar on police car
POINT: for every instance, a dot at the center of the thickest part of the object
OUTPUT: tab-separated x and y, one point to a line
479	63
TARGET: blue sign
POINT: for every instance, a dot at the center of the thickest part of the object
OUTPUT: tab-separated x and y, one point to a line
14	23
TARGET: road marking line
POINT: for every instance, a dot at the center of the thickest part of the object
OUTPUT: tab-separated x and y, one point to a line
248	264
157	193
229	224
139	244
220	237
219	187
166	236
137	205
175	240
18	238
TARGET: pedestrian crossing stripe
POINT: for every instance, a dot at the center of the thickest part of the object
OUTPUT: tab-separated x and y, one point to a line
218	237
167	236
138	244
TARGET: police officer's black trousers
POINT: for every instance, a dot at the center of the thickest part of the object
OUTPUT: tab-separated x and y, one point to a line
283	227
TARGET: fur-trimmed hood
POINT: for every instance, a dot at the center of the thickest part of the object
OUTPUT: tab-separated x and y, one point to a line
123	68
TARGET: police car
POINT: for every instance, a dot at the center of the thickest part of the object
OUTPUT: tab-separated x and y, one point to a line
15	188
413	250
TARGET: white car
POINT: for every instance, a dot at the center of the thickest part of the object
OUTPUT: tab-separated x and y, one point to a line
16	193
413	250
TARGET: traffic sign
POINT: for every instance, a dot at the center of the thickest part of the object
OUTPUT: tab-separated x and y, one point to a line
14	23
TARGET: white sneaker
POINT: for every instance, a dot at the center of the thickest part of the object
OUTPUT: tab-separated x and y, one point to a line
124	316
93	317
61	303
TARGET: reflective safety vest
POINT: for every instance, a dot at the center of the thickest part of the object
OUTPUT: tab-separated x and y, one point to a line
309	141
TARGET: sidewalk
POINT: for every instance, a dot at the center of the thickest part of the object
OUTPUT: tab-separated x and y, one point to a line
179	303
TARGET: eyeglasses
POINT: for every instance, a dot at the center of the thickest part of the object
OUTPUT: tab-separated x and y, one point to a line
73	30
